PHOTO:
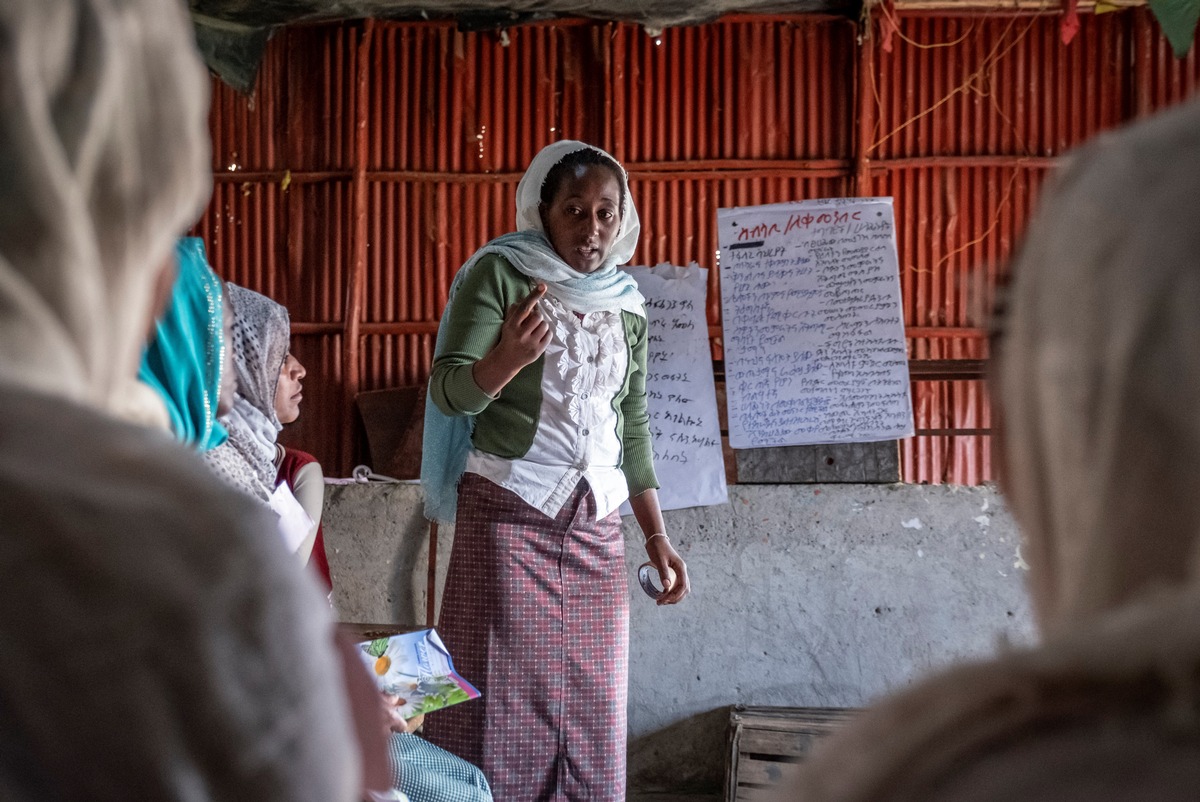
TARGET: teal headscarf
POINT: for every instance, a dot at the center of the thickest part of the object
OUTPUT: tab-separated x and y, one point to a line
184	359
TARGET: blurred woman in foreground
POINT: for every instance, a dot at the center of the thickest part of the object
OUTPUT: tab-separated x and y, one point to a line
1097	384
155	645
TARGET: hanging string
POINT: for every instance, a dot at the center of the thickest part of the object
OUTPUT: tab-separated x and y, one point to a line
922	45
972	81
995	221
981	82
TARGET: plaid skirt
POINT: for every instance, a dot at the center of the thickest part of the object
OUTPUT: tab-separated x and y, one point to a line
536	615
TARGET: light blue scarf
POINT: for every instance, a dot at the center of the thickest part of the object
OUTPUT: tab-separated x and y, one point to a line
183	361
447	439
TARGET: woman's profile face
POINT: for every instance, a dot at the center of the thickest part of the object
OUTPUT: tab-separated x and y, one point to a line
289	390
583	220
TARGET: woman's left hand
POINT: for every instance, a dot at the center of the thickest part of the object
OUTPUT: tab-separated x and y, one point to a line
672	571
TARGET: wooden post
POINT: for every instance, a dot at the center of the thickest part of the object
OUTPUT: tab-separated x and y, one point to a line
865	111
356	289
431	586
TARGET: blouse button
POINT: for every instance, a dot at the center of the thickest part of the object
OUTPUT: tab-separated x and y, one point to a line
591	359
584	396
586	432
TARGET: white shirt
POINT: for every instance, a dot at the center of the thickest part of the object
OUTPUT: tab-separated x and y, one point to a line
585	366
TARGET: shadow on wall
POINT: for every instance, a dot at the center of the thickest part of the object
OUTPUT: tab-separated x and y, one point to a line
679	759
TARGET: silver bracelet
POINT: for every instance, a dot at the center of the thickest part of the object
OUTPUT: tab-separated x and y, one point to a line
663	535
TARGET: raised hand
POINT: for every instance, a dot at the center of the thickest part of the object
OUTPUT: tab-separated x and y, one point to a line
524	336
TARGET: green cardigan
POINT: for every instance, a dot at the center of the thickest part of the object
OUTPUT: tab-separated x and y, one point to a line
506	425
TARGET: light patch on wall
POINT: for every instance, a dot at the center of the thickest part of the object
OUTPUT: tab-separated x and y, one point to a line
913	523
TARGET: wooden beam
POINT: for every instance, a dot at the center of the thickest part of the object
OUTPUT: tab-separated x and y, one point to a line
864	103
356	291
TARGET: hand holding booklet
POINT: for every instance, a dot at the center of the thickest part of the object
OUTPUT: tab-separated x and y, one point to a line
416	666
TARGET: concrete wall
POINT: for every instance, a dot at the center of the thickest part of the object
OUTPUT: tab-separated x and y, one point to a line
803	595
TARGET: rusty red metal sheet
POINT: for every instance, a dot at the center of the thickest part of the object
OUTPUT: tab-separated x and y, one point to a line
999	84
443	100
741	88
962	122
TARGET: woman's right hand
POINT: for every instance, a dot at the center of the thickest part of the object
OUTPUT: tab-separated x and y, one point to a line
525	333
524	336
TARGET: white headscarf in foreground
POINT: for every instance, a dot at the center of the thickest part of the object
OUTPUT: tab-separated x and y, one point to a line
447	440
1099	379
92	196
195	659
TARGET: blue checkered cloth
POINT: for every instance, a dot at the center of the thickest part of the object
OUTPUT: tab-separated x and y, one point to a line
428	773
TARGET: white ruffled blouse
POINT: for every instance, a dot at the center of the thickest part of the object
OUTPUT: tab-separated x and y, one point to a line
585	366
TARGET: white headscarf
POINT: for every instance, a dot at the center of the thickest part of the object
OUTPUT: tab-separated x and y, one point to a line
1099	379
199	664
529	197
529	249
1100	376
91	201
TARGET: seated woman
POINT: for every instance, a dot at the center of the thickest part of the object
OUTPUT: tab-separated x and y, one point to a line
258	345
428	773
270	390
299	469
188	361
249	460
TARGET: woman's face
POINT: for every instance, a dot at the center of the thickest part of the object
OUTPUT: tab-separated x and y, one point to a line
228	373
584	218
289	390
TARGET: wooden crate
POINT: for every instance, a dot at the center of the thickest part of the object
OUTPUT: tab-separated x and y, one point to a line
762	740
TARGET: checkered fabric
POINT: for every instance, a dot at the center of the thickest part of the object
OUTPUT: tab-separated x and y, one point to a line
426	773
536	614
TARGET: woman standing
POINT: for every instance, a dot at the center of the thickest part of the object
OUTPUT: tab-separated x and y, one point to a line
538	431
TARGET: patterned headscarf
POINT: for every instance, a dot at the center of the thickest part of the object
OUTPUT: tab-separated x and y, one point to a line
261	336
184	359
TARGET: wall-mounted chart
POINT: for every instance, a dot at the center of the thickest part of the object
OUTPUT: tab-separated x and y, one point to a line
813	328
681	396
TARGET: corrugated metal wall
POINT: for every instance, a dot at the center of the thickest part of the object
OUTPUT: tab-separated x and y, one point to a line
375	157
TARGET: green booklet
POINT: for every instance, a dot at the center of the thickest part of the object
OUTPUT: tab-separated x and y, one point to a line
416	666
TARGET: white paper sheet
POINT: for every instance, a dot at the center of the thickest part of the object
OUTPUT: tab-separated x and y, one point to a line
681	394
814	340
294	523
